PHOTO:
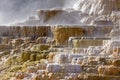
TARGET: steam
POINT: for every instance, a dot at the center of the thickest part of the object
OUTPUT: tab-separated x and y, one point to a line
16	10
12	11
1	18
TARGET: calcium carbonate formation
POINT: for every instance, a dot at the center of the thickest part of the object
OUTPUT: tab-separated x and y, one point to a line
81	43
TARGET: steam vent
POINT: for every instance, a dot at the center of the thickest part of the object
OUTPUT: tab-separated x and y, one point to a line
77	42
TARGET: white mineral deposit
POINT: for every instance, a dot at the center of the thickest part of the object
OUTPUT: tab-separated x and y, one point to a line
64	40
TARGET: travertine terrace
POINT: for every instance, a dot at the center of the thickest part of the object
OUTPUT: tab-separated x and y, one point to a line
79	43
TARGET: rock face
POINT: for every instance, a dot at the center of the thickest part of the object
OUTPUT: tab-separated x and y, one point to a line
115	17
41	40
62	34
63	58
27	31
114	33
98	77
5	47
86	42
40	47
116	52
48	14
94	50
116	63
102	8
95	7
5	40
61	47
19	75
109	70
56	68
109	46
33	55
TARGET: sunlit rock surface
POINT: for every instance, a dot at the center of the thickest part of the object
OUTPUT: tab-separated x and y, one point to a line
102	9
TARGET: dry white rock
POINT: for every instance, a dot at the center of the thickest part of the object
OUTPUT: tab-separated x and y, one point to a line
94	50
64	68
66	58
108	46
